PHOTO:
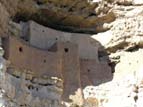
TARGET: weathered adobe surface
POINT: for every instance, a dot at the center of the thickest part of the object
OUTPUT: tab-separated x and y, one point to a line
73	56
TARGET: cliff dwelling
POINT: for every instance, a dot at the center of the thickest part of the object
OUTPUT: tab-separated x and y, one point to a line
71	53
72	58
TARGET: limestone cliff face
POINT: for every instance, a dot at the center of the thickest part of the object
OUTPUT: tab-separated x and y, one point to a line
74	16
3	20
94	61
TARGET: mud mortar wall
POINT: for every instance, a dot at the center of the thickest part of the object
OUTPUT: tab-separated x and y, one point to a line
19	54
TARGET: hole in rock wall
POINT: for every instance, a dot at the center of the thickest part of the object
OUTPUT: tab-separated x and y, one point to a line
66	50
112	65
133	49
20	49
44	61
30	87
38	2
37	89
88	70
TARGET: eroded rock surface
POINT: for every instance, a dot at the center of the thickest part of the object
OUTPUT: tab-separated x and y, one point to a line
73	16
126	34
126	87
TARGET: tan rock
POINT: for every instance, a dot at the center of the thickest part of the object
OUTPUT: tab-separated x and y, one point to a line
137	2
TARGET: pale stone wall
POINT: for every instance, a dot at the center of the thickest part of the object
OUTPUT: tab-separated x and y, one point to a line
43	37
71	72
94	73
19	53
